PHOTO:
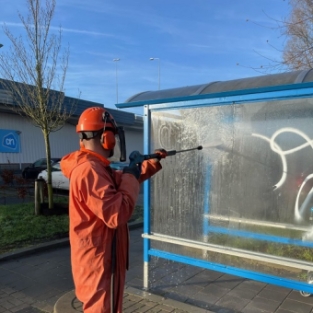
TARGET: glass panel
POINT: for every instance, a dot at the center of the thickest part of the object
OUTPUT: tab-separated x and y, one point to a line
250	188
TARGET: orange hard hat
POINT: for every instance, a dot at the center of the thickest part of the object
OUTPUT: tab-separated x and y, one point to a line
94	119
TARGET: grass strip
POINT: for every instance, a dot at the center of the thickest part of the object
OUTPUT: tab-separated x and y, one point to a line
20	227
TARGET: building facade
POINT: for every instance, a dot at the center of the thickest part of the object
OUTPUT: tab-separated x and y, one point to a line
22	143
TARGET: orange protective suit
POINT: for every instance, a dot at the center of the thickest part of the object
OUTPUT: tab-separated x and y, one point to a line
101	203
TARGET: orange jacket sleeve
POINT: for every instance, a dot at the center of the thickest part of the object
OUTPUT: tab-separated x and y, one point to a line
148	169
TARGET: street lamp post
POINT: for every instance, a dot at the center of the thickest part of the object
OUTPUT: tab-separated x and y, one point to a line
1	45
116	60
152	59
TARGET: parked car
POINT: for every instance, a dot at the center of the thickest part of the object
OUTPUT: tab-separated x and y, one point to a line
59	181
34	169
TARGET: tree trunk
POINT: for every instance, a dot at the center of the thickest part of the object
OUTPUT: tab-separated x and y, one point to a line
49	181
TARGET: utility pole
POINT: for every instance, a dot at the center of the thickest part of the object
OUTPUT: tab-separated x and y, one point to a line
152	59
116	60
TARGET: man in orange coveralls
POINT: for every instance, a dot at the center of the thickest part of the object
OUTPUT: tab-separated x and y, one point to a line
101	202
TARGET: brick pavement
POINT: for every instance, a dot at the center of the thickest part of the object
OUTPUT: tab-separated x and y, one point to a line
38	280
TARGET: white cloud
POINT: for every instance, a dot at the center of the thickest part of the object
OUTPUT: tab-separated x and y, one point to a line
67	30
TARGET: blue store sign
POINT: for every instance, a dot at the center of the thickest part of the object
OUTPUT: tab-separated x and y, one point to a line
9	141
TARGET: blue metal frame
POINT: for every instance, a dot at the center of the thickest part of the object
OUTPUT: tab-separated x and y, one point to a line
206	209
258	236
270	279
146	204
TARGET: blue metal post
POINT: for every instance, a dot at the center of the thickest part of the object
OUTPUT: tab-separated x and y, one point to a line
206	210
146	207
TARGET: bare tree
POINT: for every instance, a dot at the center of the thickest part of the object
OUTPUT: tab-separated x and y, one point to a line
35	71
298	29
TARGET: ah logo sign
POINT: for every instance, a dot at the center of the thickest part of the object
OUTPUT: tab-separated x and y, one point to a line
9	141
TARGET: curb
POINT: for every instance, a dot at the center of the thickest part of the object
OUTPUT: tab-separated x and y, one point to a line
49	245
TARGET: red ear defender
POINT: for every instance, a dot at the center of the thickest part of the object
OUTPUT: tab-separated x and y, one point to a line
108	140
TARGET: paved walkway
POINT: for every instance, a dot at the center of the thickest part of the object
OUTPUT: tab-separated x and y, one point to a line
39	280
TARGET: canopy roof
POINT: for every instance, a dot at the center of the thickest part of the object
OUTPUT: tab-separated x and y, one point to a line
251	83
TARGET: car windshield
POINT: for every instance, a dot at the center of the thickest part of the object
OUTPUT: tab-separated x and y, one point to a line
56	167
40	162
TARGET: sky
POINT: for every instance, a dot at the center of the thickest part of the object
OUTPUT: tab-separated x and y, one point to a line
192	42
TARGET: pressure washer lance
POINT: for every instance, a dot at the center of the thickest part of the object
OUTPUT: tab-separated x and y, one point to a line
135	157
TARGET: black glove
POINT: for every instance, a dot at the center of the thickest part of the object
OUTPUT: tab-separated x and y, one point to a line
134	169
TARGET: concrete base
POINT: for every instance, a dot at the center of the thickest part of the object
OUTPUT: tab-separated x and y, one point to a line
68	303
